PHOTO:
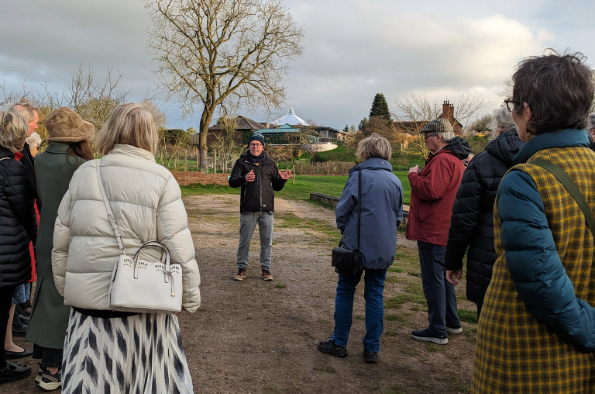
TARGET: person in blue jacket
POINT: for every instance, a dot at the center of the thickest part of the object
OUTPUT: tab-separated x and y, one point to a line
537	328
381	213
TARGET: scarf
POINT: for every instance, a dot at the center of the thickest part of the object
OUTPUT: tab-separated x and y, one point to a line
255	159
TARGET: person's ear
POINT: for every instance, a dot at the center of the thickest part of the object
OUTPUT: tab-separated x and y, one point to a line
527	113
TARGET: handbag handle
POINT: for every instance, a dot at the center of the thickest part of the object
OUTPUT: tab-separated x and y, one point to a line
165	258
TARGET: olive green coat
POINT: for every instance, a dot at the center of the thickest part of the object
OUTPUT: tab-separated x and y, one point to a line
49	320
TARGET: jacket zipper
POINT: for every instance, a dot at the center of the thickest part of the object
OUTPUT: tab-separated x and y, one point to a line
259	180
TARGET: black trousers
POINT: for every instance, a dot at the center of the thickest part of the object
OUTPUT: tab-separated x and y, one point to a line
5	304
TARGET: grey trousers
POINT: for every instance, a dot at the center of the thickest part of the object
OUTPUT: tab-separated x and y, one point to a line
265	228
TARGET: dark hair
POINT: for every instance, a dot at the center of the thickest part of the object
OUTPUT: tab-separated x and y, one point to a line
80	149
557	88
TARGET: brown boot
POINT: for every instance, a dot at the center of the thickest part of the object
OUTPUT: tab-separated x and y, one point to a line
266	275
240	275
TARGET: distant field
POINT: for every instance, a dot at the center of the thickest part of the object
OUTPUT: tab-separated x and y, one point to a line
304	185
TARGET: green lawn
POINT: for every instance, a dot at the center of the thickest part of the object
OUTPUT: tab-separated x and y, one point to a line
304	185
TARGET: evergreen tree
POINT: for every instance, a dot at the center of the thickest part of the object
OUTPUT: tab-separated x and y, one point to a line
346	129
380	107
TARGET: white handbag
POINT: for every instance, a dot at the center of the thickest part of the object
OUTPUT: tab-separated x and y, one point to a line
138	285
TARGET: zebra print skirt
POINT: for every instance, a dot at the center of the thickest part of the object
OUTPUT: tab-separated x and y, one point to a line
136	354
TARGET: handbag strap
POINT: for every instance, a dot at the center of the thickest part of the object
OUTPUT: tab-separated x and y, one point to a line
110	214
359	207
572	188
359	204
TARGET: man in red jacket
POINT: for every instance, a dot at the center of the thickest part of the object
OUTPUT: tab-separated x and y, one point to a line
433	191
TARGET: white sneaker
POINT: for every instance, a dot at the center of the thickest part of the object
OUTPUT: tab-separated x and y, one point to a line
451	330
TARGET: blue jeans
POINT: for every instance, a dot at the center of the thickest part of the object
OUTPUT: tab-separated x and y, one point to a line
248	223
440	294
374	286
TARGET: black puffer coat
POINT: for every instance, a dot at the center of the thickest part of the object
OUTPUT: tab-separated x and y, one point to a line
18	224
472	222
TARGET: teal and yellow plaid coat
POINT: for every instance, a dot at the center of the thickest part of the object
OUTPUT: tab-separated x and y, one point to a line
537	328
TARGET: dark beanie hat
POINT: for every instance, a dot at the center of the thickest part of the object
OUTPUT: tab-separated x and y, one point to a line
256	137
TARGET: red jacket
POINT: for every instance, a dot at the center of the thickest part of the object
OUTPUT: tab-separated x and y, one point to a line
433	193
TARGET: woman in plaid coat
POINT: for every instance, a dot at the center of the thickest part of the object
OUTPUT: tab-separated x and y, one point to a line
537	329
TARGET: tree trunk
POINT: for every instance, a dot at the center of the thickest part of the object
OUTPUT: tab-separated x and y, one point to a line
205	120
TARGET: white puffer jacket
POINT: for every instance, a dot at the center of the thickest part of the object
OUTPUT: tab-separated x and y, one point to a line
147	205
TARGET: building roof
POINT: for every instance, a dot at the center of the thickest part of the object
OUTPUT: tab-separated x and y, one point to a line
291	118
242	123
286	128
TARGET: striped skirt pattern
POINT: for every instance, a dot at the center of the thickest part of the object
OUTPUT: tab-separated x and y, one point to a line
136	354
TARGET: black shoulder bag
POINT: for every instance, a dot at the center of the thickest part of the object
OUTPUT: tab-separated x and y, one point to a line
349	261
572	188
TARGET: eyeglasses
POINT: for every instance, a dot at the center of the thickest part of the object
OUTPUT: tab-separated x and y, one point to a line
511	103
255	144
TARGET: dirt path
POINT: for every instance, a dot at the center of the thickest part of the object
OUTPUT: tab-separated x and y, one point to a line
260	337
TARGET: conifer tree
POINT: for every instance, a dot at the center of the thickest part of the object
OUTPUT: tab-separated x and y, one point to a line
380	107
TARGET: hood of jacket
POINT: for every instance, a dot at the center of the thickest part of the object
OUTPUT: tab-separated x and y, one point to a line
505	147
372	164
459	147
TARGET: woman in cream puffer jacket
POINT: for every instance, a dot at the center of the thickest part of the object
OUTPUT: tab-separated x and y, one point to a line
146	203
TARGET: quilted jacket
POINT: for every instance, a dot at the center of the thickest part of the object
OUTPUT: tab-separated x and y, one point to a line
472	224
18	225
146	201
537	329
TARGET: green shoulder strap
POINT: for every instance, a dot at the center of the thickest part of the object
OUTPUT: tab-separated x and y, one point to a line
572	189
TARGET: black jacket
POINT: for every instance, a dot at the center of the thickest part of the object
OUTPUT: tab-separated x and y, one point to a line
29	164
18	224
472	223
260	194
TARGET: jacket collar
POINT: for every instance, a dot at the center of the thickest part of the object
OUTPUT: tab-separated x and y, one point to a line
5	153
373	164
56	147
130	150
558	139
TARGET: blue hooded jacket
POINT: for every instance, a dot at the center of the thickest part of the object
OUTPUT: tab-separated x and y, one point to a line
381	212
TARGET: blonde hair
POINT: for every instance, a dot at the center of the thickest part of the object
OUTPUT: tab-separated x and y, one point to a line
26	110
131	124
13	129
374	146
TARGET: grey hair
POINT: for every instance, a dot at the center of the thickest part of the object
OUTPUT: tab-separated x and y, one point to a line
13	129
374	146
591	121
26	110
33	140
447	136
503	117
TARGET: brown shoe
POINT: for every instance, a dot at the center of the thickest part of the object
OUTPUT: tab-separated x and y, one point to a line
241	274
266	275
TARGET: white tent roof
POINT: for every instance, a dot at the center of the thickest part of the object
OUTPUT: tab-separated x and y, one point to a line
291	118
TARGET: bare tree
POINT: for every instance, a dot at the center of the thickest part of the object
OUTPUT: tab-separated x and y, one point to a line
416	109
224	141
212	52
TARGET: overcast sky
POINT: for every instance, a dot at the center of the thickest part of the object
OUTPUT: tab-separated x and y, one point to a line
352	49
